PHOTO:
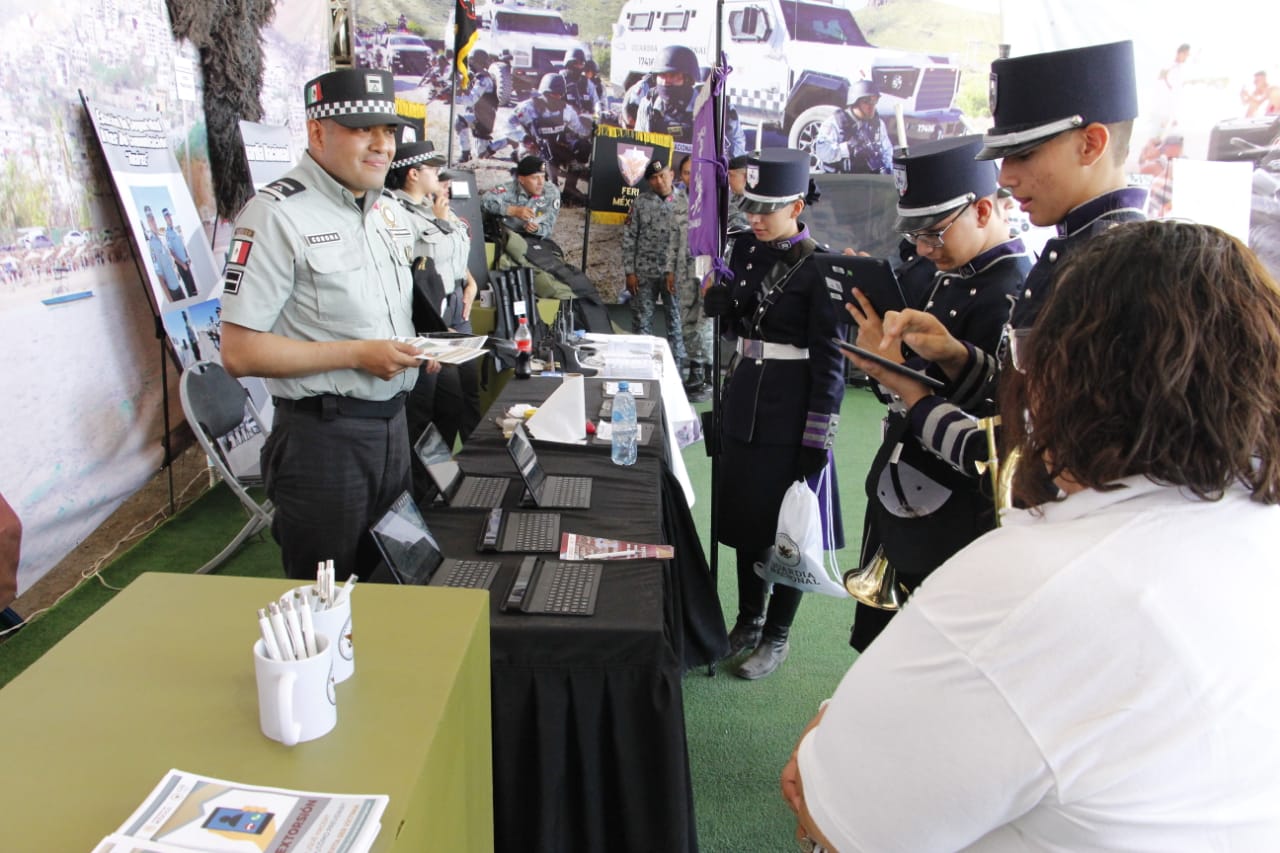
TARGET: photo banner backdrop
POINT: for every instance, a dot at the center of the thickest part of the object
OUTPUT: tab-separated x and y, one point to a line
269	151
617	170
162	221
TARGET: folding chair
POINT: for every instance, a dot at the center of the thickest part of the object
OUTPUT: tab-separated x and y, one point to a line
215	404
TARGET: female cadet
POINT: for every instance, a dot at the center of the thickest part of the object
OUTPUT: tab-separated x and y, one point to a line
782	398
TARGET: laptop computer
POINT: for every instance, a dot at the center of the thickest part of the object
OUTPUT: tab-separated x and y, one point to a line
460	490
557	587
514	531
414	558
546	490
430	447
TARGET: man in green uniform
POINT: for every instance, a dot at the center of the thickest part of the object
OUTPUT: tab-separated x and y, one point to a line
317	288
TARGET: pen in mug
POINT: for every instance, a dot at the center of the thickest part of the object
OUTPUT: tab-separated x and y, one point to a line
269	644
329	579
308	625
345	593
282	634
295	629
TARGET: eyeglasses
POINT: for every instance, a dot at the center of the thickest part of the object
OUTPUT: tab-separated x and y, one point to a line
933	239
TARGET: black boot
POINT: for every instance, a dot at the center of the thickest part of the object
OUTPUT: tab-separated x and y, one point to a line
696	388
745	636
768	656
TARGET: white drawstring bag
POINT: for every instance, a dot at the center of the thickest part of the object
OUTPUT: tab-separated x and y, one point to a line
798	557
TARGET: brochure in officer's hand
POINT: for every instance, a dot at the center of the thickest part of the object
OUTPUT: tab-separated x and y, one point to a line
450	350
873	276
891	366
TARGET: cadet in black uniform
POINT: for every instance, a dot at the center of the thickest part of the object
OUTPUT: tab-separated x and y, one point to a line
782	398
920	510
1062	126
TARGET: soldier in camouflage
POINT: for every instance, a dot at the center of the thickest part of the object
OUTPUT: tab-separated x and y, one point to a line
667	107
696	327
479	103
855	140
649	243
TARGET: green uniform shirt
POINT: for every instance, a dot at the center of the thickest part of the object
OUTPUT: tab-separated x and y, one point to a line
446	243
310	261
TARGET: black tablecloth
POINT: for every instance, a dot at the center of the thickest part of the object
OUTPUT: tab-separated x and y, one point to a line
588	720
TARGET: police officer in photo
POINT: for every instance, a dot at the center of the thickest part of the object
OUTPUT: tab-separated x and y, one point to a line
667	106
855	139
650	243
781	403
547	126
181	259
162	258
579	92
920	510
479	103
317	286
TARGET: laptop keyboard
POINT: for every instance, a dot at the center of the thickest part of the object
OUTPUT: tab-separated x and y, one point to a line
537	531
570	587
468	574
568	491
483	491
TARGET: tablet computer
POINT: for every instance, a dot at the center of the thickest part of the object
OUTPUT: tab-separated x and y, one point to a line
893	366
873	276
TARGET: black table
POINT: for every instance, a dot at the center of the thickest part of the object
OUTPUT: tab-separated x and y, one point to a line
588	722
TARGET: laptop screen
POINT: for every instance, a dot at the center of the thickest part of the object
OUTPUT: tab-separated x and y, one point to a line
430	447
406	542
522	454
448	478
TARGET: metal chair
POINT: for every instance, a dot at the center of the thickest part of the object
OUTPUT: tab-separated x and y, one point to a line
215	405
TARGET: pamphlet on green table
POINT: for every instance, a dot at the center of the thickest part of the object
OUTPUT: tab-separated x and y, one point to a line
188	812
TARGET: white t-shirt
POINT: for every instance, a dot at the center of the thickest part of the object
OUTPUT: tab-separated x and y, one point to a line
1102	677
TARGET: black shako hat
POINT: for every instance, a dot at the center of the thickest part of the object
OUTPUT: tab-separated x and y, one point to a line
1036	97
775	178
353	97
937	178
418	154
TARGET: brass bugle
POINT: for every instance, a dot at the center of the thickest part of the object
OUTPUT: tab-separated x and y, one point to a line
876	584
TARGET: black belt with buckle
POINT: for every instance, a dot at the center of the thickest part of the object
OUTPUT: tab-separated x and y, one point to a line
329	406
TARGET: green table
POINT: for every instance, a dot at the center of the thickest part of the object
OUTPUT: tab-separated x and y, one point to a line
162	677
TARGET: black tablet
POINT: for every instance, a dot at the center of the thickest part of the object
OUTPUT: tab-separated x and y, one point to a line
893	366
873	276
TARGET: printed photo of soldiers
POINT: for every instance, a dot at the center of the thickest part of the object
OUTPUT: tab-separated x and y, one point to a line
665	105
546	126
855	140
478	105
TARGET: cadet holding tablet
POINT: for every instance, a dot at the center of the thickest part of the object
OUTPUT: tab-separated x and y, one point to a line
920	509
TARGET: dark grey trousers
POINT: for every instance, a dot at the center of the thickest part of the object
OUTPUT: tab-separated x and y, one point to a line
329	481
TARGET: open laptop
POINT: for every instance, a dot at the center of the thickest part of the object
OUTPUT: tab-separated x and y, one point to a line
414	558
515	531
546	490
554	586
460	490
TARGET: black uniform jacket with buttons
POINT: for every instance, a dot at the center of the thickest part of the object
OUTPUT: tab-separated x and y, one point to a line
1081	223
921	510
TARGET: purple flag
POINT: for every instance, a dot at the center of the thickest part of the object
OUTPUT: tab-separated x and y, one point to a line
704	186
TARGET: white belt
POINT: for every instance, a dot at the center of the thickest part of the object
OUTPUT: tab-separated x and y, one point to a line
749	348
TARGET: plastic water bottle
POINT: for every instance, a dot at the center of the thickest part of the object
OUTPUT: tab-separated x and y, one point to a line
524	350
625	431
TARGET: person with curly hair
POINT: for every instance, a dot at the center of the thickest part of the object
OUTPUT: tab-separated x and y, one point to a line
1098	673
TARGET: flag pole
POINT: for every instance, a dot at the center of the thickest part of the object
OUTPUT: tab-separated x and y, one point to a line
722	215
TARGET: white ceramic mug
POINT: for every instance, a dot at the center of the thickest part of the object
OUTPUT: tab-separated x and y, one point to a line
335	623
296	699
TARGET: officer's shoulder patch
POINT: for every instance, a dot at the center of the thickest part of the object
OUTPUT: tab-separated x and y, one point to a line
231	281
283	188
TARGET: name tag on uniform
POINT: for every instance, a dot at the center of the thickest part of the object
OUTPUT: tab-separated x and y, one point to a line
321	239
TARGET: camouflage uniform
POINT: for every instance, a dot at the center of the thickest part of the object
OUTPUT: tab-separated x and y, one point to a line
494	204
696	325
649	241
668	113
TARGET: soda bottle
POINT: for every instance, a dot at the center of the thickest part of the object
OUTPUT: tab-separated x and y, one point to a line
625	431
524	350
